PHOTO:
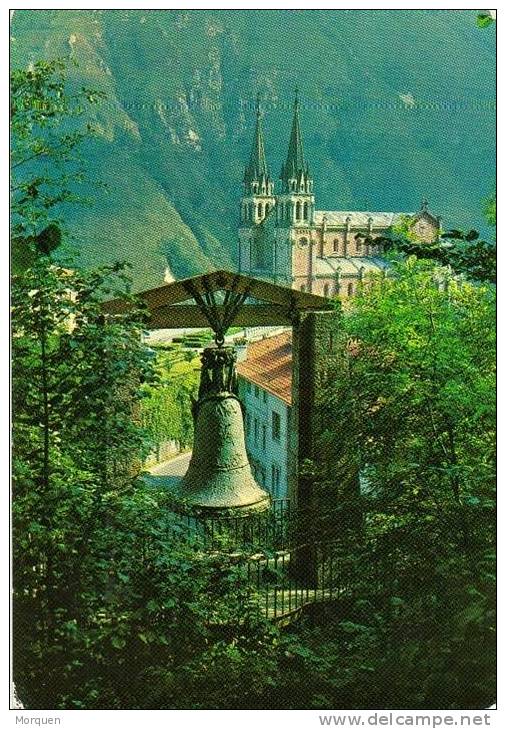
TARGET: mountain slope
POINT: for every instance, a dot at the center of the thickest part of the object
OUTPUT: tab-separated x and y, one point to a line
395	105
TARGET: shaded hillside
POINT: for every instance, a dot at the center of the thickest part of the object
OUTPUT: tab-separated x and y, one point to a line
396	105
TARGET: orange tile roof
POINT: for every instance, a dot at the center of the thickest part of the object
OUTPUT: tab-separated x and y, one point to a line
268	364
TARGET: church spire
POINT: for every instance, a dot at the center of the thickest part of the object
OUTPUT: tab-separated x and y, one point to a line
256	169
295	168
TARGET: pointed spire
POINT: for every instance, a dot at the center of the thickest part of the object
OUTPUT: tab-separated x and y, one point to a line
257	165
295	166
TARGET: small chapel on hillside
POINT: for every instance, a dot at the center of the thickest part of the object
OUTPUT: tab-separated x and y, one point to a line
284	238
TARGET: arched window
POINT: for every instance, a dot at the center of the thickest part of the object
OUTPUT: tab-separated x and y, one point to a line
336	245
297	210
350	289
260	210
304	215
267	208
302	242
326	289
359	245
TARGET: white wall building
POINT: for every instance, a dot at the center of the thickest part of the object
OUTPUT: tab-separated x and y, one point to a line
265	380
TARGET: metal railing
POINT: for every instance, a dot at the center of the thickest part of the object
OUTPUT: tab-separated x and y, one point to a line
269	530
280	572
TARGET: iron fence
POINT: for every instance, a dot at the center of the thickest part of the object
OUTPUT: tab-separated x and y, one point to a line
274	557
269	530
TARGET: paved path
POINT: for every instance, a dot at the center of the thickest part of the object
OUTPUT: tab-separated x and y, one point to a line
168	473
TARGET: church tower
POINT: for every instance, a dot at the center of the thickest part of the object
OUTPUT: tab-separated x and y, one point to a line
295	204
257	202
296	201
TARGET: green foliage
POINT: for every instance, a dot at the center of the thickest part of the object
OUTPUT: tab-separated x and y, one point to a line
404	229
47	128
425	359
463	252
103	576
490	209
166	404
116	607
109	592
484	18
421	370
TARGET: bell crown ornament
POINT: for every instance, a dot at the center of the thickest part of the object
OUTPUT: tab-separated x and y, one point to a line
219	474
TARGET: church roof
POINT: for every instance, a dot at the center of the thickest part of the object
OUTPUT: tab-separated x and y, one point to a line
268	364
359	219
257	165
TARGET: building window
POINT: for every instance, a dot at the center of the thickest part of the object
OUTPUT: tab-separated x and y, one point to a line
276	426
248	386
264	396
304	214
336	245
248	424
350	289
264	437
257	391
255	433
302	242
359	245
326	289
275	480
297	210
260	210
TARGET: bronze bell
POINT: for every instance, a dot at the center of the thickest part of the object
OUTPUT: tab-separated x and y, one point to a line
219	475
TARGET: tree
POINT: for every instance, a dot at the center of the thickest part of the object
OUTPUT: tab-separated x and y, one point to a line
75	378
166	404
421	363
48	125
103	574
490	209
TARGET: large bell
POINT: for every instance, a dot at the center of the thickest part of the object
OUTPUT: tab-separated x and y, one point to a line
219	475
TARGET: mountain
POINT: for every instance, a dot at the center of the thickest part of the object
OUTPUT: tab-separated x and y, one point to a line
395	105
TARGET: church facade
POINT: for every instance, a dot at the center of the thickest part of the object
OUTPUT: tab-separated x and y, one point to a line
283	237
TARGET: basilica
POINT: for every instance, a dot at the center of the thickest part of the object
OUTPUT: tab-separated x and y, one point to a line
284	238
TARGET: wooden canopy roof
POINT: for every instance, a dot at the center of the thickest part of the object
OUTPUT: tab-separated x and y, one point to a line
222	299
